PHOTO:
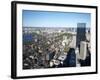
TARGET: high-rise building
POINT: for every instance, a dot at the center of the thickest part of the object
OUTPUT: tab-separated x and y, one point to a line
81	31
83	50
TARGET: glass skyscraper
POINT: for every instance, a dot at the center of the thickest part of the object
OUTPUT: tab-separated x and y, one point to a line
81	31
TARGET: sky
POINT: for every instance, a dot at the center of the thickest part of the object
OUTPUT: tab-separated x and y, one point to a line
31	18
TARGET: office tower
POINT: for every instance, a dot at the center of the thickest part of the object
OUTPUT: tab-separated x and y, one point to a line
70	60
81	31
83	50
85	55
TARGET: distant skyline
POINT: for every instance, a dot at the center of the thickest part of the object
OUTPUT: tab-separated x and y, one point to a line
31	18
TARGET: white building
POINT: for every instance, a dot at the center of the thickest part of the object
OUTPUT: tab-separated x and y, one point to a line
83	50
